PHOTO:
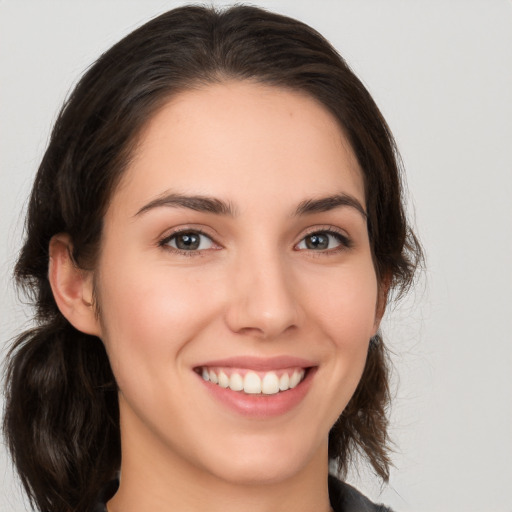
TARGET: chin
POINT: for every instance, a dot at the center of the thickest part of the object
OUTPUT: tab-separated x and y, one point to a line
261	472
267	461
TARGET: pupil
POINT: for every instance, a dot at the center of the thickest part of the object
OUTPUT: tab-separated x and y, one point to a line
187	241
317	242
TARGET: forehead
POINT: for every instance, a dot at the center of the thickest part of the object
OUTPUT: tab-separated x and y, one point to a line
243	139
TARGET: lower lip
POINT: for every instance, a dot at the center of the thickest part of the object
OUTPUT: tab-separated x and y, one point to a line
261	406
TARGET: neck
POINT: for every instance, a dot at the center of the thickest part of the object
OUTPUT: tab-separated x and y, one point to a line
297	494
157	479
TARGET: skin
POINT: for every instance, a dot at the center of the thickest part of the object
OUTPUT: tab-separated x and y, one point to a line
253	288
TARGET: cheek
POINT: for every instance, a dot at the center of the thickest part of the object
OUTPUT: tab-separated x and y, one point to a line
344	303
344	308
148	316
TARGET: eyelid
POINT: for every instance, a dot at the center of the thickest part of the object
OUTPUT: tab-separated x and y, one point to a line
164	240
345	240
324	228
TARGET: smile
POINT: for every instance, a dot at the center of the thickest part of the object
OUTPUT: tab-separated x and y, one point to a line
254	382
258	387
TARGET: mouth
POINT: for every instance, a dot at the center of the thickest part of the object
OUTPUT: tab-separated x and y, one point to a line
252	382
258	387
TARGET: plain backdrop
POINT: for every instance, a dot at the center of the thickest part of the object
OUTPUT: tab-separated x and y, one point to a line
441	71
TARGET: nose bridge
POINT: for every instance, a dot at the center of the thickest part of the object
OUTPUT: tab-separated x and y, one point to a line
262	300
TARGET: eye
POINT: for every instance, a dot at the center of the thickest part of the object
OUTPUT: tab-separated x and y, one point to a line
188	241
323	241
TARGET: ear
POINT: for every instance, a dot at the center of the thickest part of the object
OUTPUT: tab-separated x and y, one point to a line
72	287
382	300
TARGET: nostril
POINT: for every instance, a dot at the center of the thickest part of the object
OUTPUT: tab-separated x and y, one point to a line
263	308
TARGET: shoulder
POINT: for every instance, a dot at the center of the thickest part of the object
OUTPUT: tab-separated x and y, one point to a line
345	498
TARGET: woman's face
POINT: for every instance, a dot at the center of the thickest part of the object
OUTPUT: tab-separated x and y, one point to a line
236	250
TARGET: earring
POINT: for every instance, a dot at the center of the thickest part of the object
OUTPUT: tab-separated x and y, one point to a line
374	342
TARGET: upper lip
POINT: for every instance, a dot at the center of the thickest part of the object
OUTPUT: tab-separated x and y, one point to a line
259	363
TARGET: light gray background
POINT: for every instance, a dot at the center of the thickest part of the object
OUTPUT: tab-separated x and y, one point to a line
441	72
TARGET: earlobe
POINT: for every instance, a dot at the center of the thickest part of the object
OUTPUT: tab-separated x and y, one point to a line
72	287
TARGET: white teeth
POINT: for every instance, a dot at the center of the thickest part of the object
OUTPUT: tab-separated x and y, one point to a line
270	384
284	382
252	383
236	382
223	380
295	378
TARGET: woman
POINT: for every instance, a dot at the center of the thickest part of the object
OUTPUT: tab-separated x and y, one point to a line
212	237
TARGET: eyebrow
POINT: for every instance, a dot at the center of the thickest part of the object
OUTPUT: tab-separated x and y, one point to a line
219	207
197	203
325	204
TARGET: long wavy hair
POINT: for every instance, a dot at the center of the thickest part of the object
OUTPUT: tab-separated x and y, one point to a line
62	416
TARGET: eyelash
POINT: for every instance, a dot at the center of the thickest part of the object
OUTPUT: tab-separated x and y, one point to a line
344	242
190	253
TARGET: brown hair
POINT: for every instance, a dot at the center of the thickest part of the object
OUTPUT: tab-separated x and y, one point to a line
62	417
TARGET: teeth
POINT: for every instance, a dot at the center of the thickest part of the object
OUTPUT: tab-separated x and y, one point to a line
254	384
295	379
284	382
270	384
223	380
236	382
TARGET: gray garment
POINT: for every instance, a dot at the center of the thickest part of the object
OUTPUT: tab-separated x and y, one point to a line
345	498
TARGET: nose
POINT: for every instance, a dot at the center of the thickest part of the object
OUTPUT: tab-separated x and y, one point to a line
262	301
